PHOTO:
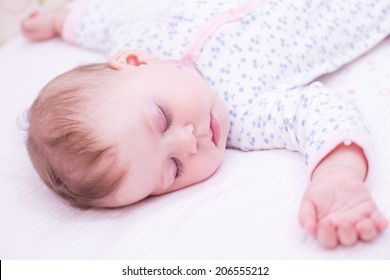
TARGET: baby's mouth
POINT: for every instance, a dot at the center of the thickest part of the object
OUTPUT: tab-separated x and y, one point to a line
215	129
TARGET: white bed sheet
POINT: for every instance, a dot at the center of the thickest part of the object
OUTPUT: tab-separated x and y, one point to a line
247	210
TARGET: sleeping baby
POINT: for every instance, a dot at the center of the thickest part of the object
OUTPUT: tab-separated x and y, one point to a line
182	87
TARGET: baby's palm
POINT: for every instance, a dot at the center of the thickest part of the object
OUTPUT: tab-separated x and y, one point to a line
341	211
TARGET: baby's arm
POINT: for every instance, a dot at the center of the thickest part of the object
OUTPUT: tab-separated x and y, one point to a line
317	121
337	206
95	26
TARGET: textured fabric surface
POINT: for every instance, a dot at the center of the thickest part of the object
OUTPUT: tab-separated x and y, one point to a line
247	210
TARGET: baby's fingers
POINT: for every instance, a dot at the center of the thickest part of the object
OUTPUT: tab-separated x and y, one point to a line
327	235
347	235
366	230
308	216
370	227
38	26
379	220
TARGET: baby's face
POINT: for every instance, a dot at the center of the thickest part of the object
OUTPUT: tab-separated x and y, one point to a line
170	129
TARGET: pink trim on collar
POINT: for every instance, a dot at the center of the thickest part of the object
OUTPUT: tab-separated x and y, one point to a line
191	54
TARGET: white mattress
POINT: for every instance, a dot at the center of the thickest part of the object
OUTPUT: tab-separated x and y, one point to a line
247	210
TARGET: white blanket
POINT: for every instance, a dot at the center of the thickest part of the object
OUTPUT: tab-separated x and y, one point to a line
247	210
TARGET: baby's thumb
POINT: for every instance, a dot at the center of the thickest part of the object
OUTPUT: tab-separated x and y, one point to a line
307	216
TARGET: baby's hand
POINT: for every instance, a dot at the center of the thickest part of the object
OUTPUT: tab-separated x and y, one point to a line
338	208
40	26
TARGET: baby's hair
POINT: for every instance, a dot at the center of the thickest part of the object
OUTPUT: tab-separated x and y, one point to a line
65	150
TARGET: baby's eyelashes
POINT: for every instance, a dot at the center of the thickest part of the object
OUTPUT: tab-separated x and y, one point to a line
179	167
167	116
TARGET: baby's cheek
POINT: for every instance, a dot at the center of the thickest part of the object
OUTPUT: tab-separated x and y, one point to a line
207	167
168	177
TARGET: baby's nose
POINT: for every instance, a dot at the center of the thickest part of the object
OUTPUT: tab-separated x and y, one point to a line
185	140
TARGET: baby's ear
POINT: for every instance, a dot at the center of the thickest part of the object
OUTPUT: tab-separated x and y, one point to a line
127	59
